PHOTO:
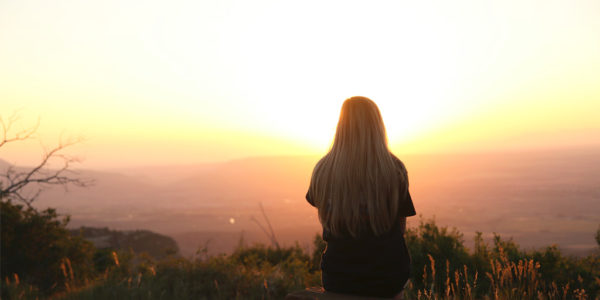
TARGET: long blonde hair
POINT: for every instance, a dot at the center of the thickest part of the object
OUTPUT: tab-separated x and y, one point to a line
357	185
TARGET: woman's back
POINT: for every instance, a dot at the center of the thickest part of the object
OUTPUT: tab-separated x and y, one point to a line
361	192
368	265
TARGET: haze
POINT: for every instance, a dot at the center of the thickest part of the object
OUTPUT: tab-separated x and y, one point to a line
194	112
538	198
154	83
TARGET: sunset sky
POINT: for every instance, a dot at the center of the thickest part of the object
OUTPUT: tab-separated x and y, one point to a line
161	82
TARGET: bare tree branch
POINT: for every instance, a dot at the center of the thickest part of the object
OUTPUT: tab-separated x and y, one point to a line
14	181
19	135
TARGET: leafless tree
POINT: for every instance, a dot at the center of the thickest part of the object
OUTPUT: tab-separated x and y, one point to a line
14	179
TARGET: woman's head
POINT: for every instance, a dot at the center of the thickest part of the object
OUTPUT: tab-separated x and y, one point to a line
360	125
358	184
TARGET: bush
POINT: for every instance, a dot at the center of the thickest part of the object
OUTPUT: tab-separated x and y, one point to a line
40	251
444	268
433	248
256	272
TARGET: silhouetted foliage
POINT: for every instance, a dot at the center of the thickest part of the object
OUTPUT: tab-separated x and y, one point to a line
256	272
40	251
16	184
445	246
319	247
443	268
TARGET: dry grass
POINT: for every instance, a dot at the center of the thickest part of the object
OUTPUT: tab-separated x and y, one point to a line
507	280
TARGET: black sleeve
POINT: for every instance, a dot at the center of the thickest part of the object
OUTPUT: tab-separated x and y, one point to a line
309	199
407	207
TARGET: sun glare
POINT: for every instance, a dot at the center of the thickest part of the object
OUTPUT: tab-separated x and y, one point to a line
269	77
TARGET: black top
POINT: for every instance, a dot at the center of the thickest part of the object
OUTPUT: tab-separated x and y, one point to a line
370	265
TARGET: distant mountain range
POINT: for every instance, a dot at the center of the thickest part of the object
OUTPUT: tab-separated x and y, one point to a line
538	198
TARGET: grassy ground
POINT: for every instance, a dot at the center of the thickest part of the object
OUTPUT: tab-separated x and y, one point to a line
443	268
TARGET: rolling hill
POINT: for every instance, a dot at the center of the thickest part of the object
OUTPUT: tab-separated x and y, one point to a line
538	198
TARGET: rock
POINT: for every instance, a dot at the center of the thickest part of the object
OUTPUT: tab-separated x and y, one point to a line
318	293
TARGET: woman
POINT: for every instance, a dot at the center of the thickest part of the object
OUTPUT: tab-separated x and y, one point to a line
361	192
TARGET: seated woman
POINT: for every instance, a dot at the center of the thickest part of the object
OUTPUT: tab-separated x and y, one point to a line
361	192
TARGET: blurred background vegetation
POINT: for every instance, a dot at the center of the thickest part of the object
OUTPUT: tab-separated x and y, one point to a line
43	259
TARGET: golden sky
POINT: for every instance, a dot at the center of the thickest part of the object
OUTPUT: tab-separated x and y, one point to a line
158	82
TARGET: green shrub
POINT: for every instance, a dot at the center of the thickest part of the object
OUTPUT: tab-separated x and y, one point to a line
256	272
443	268
40	251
